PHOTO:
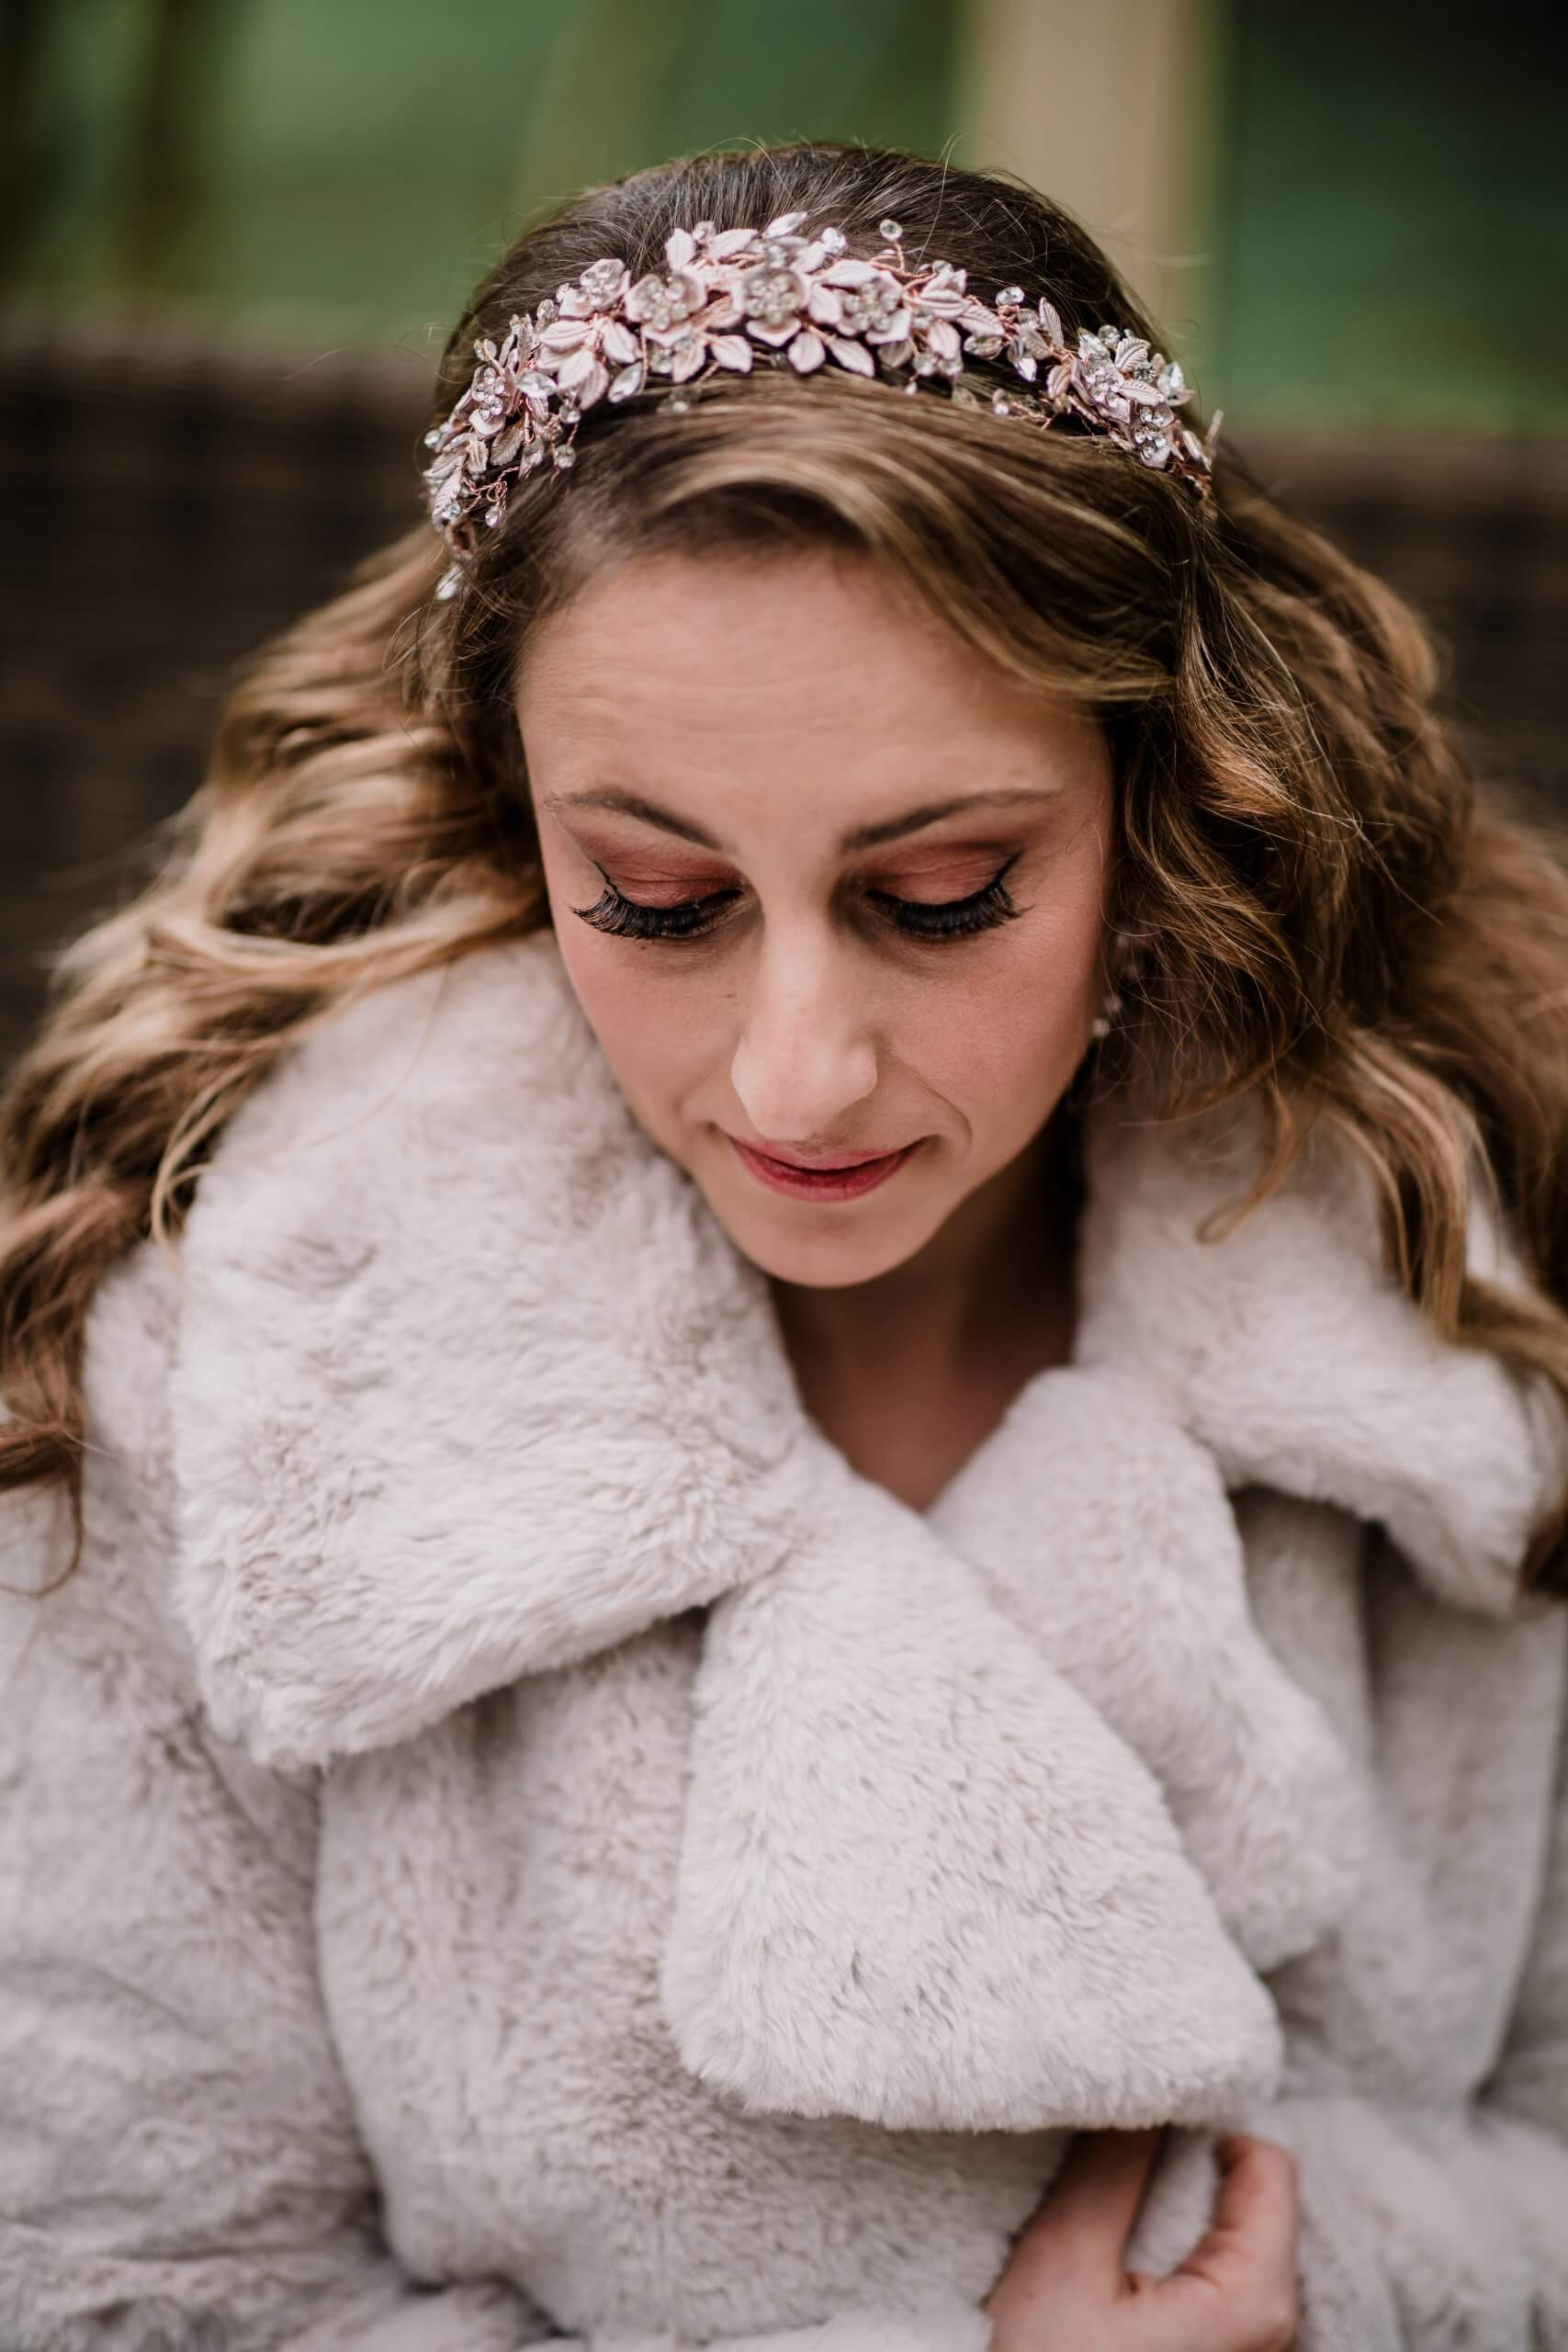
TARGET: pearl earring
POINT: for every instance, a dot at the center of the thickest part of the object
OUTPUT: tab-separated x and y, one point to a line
1124	965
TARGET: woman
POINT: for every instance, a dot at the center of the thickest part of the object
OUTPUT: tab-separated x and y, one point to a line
785	1351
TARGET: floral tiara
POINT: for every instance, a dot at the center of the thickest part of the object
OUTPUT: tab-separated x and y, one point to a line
730	297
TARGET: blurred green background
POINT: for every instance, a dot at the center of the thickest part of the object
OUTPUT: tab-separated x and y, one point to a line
1351	213
233	235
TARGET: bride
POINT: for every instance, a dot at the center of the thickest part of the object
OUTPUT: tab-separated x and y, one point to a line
784	1456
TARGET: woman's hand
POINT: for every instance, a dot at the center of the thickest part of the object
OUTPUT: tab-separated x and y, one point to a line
1066	2284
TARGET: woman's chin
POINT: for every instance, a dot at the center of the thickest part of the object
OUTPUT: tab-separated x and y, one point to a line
821	1248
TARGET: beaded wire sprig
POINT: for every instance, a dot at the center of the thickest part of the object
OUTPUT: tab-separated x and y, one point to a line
728	297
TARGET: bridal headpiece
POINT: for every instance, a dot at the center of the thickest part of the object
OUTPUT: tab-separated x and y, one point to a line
728	297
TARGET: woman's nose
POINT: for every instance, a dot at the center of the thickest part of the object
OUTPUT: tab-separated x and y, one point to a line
807	1054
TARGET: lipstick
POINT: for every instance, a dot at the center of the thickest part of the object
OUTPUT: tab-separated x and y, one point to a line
845	1180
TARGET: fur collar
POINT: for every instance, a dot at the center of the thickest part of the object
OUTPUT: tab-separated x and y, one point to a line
471	1385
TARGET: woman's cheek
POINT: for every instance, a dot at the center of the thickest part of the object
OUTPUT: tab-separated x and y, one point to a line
1009	1034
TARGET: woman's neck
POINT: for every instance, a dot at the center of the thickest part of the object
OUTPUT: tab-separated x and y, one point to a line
908	1372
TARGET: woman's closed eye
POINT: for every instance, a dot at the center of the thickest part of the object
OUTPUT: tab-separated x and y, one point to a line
625	918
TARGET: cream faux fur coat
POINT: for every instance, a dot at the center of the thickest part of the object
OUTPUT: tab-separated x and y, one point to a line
506	1835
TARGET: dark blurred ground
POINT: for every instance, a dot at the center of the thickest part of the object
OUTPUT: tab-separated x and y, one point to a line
168	507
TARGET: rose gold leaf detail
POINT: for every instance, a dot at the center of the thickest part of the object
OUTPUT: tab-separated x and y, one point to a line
730	240
808	351
618	342
851	273
732	351
852	356
825	306
680	248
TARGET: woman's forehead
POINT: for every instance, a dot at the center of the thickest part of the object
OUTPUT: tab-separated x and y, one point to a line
669	659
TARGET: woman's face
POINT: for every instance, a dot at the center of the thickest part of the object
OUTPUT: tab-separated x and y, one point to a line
826	886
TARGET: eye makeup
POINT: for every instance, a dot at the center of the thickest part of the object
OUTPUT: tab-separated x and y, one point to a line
623	918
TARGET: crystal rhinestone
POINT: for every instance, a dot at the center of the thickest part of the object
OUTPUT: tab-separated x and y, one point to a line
705	229
569	413
1010	294
832	241
680	355
563	457
771	295
662	302
1001	404
892	230
872	305
448	584
677	404
601	281
433	436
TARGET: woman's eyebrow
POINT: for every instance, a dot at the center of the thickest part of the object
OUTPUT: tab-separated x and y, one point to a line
889	829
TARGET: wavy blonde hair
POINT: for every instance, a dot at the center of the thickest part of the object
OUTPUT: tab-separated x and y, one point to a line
1325	918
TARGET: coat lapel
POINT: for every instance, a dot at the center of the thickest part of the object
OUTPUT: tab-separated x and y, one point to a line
993	1815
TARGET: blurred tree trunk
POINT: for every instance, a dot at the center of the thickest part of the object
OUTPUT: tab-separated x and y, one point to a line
21	49
159	226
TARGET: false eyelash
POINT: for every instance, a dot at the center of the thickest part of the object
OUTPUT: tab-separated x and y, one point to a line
623	918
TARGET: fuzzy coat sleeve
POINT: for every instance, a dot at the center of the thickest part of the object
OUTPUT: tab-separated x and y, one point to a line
1431	2230
179	2166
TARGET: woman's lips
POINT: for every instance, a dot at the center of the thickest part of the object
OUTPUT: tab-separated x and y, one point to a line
858	1173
